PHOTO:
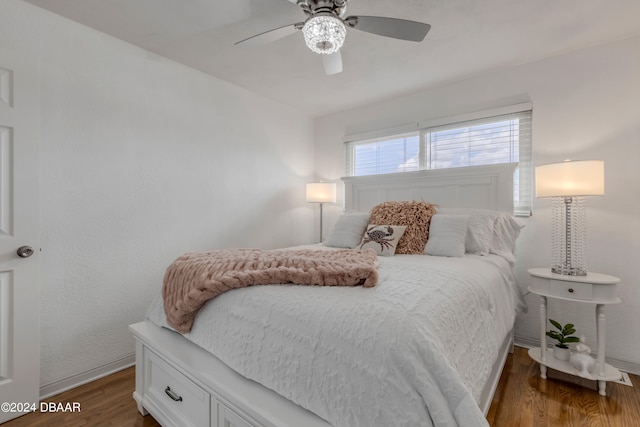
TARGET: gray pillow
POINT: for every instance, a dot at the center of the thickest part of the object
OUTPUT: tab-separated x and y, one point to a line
348	231
447	235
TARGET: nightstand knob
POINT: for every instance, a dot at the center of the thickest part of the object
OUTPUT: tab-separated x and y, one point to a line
570	290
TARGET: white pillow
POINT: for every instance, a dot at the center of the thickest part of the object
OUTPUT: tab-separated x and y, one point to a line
348	230
382	238
505	233
481	224
490	232
447	235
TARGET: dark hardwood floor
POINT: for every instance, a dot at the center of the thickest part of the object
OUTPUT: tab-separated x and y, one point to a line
525	399
522	399
104	402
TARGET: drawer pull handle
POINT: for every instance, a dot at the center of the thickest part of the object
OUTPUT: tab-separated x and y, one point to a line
172	395
570	290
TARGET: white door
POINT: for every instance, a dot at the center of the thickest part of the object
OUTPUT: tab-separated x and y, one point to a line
19	227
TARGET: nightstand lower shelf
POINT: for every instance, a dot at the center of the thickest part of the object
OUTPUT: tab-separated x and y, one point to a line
610	373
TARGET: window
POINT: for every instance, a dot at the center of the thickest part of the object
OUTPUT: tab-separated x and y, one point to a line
503	138
386	155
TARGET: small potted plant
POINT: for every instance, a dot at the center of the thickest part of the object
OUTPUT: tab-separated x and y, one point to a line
563	336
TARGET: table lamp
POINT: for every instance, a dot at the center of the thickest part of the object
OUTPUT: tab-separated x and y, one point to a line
568	183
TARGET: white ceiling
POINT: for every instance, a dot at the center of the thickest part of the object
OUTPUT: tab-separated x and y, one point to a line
467	37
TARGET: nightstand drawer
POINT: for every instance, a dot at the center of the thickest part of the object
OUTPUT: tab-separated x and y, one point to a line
602	293
574	290
594	287
182	401
562	289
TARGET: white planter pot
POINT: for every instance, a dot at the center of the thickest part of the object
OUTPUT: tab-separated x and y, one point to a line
561	353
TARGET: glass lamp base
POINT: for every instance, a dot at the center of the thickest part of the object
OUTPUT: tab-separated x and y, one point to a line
568	271
568	249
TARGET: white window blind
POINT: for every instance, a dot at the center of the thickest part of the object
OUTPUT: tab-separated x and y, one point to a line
503	138
399	153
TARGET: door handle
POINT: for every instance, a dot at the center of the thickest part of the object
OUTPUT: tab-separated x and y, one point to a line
25	251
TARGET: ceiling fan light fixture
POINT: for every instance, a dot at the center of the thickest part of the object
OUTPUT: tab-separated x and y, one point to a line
324	34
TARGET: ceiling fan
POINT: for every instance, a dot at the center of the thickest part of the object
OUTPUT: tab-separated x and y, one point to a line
325	29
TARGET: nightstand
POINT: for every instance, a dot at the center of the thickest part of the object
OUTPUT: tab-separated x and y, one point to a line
594	288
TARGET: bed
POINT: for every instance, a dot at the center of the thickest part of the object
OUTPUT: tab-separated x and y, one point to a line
425	346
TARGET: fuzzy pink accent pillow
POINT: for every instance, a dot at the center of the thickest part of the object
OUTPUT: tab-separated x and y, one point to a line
416	216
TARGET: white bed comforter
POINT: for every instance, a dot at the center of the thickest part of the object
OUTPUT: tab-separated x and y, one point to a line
416	350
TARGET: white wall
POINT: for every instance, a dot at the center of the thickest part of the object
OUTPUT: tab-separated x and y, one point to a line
144	159
585	107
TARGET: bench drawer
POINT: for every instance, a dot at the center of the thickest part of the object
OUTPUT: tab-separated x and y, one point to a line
183	402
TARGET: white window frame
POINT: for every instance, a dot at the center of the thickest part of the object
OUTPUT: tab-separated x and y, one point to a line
523	193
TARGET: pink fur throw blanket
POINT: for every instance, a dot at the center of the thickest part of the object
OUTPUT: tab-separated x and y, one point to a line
196	277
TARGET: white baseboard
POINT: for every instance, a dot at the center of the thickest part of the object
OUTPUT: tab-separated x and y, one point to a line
57	387
623	365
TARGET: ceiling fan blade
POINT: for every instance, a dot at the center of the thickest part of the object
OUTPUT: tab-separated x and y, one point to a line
270	36
332	63
390	27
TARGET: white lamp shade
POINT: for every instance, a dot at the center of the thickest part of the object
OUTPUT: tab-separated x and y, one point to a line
570	178
321	192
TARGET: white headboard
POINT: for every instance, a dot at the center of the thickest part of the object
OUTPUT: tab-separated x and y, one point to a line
486	187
